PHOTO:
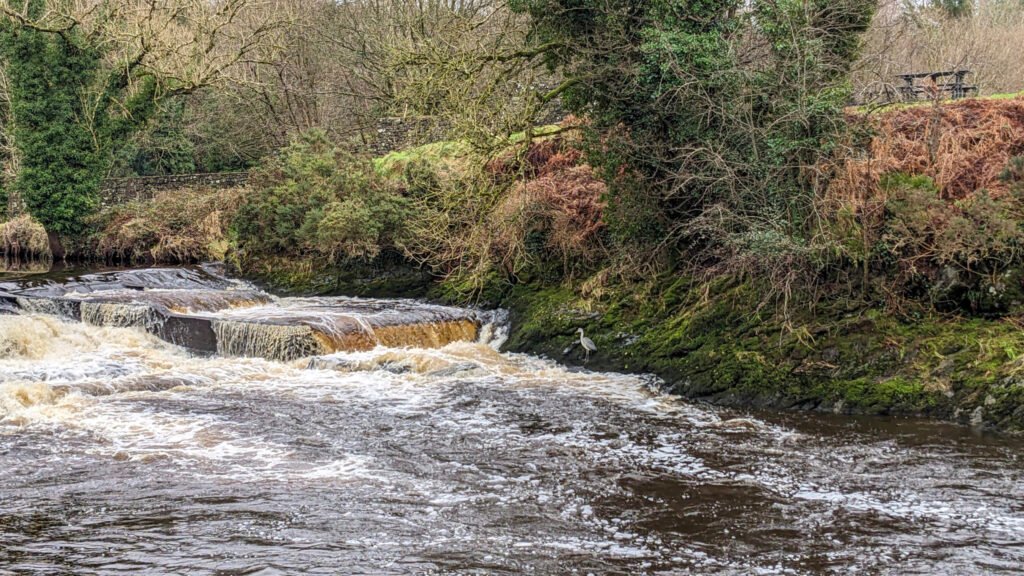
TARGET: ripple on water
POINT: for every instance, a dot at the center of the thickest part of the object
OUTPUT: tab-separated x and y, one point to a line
126	455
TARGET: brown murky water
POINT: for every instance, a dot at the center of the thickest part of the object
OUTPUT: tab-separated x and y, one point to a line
122	454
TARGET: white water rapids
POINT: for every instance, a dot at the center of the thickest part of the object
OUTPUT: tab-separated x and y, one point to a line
123	454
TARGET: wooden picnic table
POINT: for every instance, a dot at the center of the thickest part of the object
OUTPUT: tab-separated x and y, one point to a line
957	89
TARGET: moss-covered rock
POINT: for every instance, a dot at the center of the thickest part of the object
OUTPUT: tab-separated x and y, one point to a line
717	343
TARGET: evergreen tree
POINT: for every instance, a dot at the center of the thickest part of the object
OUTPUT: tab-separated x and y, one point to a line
955	8
80	89
61	164
721	103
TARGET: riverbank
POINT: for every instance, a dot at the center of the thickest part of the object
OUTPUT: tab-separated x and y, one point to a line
907	302
716	343
720	343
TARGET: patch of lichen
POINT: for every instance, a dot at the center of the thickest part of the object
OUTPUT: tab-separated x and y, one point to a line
719	342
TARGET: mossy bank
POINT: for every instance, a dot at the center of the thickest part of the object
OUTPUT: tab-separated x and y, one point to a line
716	343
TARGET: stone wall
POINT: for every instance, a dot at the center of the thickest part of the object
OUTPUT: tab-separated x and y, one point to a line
121	190
395	134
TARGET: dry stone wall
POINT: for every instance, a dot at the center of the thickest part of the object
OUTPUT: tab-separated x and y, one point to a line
121	190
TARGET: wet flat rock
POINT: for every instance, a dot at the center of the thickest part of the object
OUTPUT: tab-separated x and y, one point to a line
195	309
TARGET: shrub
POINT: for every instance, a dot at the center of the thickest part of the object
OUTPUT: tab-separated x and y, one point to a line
361	224
174	227
23	237
561	209
315	198
533	208
958	254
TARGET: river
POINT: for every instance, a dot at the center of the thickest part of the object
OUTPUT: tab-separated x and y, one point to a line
121	453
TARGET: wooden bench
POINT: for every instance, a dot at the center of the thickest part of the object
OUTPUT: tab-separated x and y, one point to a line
954	85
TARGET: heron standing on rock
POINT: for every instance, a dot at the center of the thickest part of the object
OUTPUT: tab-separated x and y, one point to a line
588	345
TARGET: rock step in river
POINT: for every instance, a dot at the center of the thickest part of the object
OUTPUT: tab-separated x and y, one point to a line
197	309
122	454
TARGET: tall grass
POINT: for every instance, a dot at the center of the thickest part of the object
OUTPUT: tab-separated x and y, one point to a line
23	239
175	227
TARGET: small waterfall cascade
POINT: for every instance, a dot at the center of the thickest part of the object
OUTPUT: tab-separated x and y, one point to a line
200	309
274	341
288	329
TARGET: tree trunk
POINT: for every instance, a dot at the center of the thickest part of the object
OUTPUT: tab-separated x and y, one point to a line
56	248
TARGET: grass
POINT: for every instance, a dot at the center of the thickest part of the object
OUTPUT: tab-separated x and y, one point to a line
449	156
23	237
445	155
876	108
174	227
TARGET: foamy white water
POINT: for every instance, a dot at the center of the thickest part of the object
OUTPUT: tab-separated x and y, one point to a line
122	454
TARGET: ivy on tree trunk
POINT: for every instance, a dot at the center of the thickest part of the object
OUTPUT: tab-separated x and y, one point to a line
70	115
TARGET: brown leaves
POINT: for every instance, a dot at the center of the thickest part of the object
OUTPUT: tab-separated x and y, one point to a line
963	146
562	200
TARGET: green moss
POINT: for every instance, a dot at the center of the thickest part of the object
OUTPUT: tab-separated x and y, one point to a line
879	108
714	342
449	155
445	155
380	278
893	395
539	132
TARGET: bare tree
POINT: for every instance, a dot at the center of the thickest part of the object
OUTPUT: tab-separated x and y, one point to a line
452	67
920	37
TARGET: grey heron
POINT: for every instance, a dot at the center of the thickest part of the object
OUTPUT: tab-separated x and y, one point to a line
588	345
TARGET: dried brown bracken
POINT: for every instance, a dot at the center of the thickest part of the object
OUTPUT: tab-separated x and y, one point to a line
564	200
963	146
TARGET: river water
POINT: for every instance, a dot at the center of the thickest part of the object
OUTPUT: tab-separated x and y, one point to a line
123	454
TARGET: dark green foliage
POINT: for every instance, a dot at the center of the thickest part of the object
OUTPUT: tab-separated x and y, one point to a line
645	65
61	166
959	256
162	148
955	8
316	199
71	111
796	100
1013	175
715	104
225	138
632	214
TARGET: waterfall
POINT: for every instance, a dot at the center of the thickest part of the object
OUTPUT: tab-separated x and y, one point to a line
235	319
121	315
273	341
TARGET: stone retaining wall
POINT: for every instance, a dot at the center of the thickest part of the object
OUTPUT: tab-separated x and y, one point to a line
121	190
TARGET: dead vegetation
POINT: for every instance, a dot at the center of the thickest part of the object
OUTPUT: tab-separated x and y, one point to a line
23	239
560	203
964	147
175	227
929	209
526	211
